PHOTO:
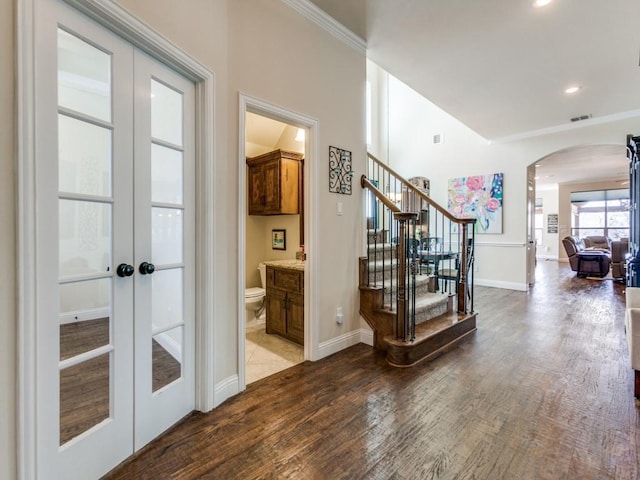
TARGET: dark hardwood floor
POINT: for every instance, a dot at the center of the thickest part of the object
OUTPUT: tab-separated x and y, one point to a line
543	390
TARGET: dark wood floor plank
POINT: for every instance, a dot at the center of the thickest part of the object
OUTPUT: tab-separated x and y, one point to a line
543	390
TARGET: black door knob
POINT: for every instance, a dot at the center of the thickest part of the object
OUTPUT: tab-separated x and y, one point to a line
125	270
147	268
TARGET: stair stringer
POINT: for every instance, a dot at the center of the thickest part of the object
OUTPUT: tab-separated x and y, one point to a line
381	320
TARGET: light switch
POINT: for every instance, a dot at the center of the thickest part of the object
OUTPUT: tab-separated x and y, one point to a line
339	208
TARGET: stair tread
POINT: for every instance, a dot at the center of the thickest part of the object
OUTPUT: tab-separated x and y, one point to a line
420	279
428	300
426	330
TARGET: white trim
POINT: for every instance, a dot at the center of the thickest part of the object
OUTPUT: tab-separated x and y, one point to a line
83	357
366	336
173	347
119	21
337	344
226	389
310	11
568	126
547	257
521	287
311	180
25	255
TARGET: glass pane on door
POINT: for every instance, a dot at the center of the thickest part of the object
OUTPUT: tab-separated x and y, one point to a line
166	360
89	295
166	299
166	113
84	396
166	235
84	77
166	175
85	237
84	158
85	316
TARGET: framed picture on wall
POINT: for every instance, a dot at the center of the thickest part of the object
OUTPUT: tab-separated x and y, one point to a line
278	239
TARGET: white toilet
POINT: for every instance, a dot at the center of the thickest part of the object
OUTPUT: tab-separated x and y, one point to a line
254	296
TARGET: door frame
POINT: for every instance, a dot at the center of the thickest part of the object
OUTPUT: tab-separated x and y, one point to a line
251	104
531	246
119	21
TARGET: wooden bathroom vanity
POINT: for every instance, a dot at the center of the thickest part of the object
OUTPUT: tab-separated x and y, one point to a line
285	301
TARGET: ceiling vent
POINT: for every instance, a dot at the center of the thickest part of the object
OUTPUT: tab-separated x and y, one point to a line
581	117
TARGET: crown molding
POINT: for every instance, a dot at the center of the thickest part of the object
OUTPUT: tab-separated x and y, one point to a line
310	11
567	127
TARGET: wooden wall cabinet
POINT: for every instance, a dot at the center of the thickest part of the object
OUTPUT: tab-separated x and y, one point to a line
285	303
274	181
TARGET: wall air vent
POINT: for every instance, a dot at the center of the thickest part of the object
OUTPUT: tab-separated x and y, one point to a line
581	117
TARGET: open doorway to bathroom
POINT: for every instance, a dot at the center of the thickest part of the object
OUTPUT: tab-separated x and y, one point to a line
274	246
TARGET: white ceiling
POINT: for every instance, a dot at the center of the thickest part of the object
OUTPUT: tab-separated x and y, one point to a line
501	66
265	134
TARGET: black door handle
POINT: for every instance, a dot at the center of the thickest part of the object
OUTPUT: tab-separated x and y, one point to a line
125	270
147	268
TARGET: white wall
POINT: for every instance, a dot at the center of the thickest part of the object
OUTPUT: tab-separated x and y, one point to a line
413	120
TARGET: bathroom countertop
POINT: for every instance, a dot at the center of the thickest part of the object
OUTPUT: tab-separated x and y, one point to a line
288	264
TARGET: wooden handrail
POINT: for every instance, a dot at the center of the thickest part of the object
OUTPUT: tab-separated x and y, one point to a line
422	195
364	182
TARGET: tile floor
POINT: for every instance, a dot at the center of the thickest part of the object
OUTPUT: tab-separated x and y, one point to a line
268	354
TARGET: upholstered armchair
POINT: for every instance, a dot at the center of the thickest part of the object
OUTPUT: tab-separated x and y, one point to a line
619	250
597	241
572	246
586	261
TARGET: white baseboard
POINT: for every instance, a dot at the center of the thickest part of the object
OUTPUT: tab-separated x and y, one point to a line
522	287
173	347
547	257
340	343
366	336
226	389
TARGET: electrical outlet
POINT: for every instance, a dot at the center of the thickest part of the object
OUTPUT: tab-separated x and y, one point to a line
339	316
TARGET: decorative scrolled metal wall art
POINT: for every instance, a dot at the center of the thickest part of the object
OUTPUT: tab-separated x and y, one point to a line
340	173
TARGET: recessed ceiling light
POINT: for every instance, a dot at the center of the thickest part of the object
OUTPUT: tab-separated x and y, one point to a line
573	89
541	3
538	165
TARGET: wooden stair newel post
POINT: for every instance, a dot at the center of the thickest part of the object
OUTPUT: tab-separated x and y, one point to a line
462	286
402	303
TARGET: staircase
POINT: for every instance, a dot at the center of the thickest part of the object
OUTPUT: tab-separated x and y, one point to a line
416	283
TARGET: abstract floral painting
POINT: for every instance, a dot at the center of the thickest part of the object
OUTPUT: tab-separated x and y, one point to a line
480	197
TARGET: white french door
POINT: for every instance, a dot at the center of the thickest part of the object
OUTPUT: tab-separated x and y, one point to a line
114	246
